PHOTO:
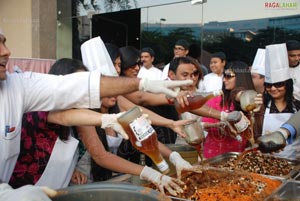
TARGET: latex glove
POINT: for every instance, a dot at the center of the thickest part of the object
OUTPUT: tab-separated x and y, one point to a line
24	193
231	116
162	181
258	100
179	163
163	86
111	121
272	142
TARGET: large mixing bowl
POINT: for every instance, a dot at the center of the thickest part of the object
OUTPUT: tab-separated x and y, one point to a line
108	191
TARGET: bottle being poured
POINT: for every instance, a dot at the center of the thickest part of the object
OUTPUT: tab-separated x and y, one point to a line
143	137
197	100
247	102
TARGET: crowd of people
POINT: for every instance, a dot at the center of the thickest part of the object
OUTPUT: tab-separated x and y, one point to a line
55	136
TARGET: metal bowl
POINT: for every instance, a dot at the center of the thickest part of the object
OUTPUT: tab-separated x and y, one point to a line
109	191
288	191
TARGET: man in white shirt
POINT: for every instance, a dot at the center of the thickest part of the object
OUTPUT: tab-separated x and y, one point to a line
293	48
181	49
148	70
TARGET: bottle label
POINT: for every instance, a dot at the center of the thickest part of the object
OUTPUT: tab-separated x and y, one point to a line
162	166
241	125
141	128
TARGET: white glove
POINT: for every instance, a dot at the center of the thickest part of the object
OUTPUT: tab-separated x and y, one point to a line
163	86
231	116
111	121
179	163
24	193
162	181
273	142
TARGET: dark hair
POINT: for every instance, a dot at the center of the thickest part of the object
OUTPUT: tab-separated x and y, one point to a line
149	50
66	66
129	57
288	95
183	43
113	51
220	55
292	45
185	60
243	82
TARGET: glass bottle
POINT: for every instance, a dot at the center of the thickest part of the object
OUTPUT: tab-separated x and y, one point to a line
242	125
143	137
197	100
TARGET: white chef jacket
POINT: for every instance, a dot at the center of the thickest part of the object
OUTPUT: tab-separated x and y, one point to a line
26	92
211	82
294	73
152	73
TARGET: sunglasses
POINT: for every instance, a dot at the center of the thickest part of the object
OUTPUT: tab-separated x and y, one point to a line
276	85
229	75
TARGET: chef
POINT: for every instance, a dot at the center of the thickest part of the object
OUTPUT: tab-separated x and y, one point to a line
279	102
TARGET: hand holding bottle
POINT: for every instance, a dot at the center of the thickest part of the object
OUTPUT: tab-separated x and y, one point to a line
162	182
163	86
111	121
272	142
231	116
179	163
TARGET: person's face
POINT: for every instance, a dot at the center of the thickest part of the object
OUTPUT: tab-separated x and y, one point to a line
4	56
108	102
216	65
186	72
180	51
294	57
229	79
146	59
117	65
258	82
132	71
276	90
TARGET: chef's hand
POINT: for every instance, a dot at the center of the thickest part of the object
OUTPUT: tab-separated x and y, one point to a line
179	163
24	193
163	86
111	121
272	142
230	116
78	178
178	126
161	181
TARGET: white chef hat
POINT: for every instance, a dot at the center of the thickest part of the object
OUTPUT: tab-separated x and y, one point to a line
277	63
96	58
258	65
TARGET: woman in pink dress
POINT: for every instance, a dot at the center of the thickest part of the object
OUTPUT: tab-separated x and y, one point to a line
236	78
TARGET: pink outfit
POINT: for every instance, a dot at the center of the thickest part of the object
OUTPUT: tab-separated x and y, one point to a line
216	142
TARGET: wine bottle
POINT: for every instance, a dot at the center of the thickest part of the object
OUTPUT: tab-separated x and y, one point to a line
143	137
197	100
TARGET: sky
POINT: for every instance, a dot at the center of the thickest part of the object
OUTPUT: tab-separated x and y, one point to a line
182	11
214	10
